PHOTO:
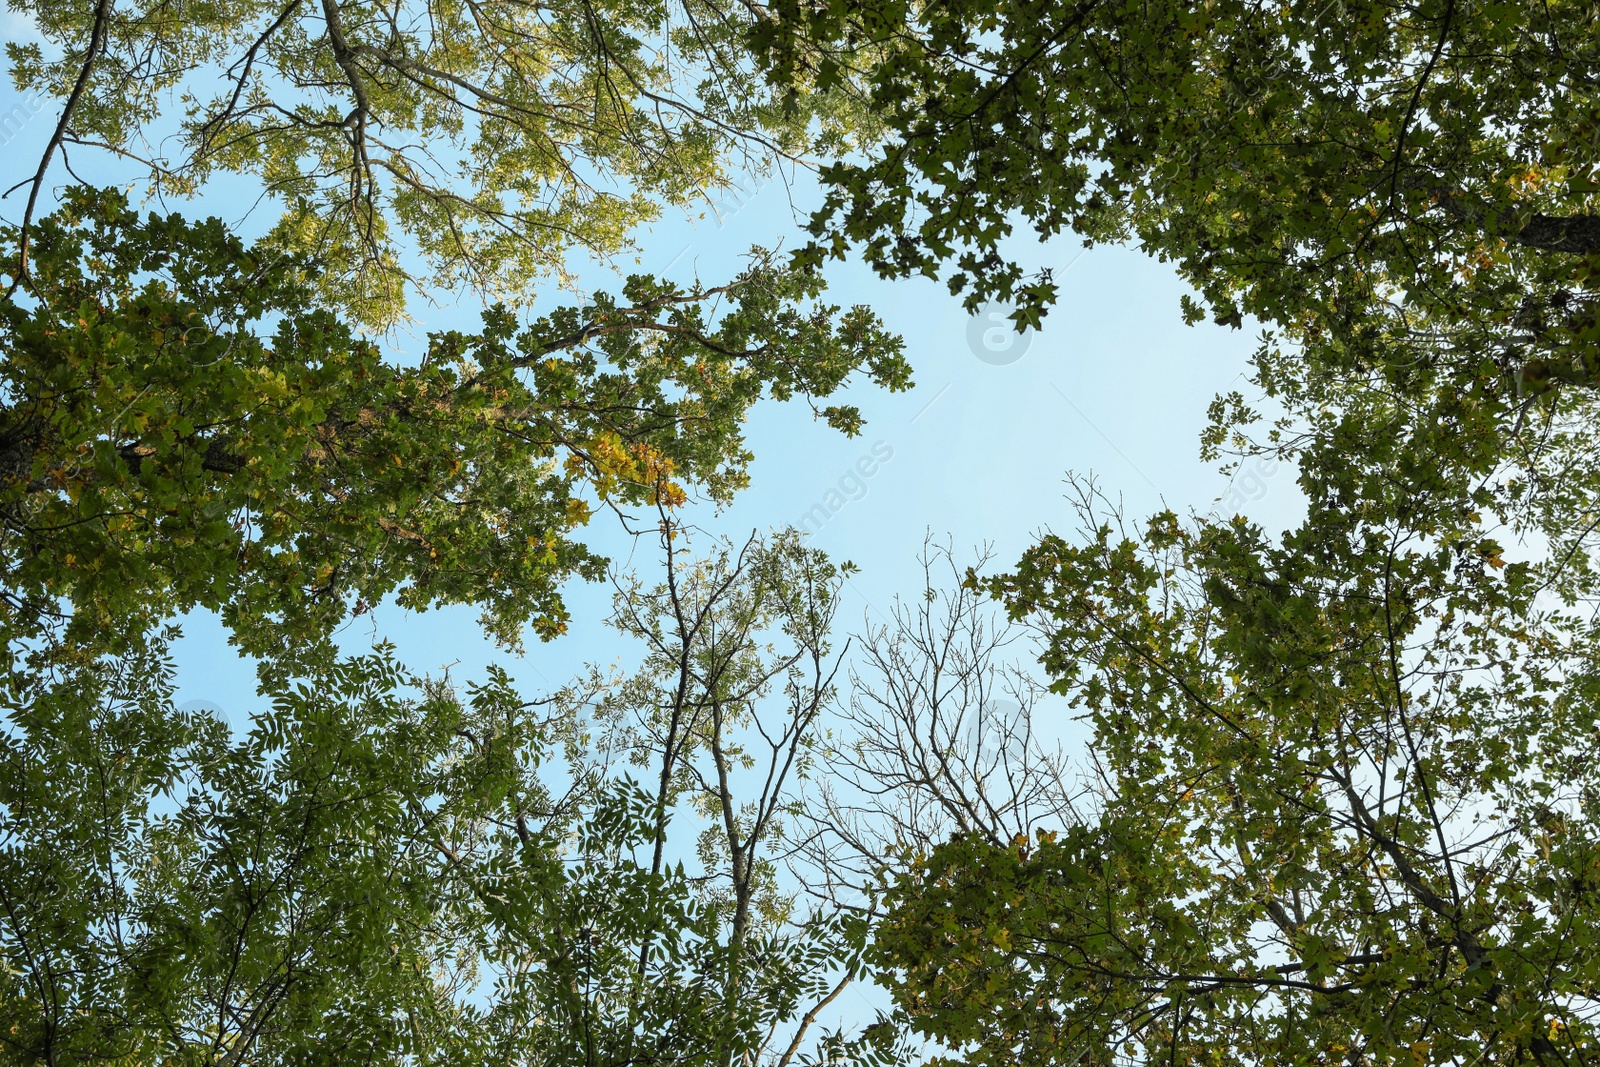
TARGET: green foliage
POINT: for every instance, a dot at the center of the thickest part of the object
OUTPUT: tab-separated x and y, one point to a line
1300	164
1348	797
1349	812
175	894
1404	195
492	136
723	715
1348	805
185	426
392	869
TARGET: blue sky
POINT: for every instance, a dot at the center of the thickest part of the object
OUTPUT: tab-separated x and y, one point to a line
1113	385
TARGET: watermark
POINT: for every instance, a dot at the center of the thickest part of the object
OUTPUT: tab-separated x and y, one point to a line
1249	484
852	485
18	115
994	338
736	196
731	199
993	728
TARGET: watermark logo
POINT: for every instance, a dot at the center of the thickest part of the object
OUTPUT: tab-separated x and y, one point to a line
992	729
994	338
14	118
851	485
736	196
1249	485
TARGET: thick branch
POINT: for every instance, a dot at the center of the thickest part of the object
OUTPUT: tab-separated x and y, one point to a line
97	41
1577	234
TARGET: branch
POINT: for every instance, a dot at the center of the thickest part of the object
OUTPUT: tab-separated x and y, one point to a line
811	1017
1577	234
1416	98
97	41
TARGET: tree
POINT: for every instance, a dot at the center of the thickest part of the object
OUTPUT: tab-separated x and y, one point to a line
936	741
497	136
402	870
1298	164
163	450
175	894
723	718
1348	811
1403	195
1348	802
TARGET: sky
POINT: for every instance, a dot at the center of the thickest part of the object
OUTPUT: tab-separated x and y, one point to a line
1113	386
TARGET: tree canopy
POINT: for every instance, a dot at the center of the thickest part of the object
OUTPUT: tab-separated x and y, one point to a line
1340	803
1347	812
1345	800
1403	195
186	426
494	137
1299	164
405	869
